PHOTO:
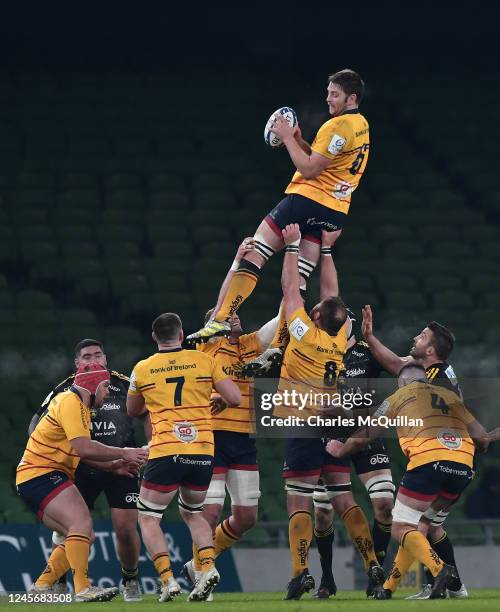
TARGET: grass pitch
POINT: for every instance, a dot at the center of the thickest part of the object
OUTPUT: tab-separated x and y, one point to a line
352	601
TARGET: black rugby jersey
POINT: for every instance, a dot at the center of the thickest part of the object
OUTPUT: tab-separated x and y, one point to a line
442	374
110	424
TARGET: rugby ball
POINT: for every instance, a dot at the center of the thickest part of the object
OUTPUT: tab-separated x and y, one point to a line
289	114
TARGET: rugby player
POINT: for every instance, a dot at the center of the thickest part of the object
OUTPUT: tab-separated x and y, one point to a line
318	196
439	468
45	477
312	360
111	425
235	460
431	348
174	385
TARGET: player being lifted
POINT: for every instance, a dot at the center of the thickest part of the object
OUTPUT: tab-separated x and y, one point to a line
46	472
431	349
175	386
318	196
440	452
312	360
235	460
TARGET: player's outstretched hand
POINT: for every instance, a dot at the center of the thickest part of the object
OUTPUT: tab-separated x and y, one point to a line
334	448
282	129
217	405
245	247
291	234
328	239
137	456
123	468
367	323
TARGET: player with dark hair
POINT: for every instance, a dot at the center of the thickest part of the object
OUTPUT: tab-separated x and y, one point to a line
318	196
45	477
439	468
110	425
174	385
431	349
312	360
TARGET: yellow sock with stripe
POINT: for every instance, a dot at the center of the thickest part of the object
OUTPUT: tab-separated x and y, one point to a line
418	546
207	558
77	547
356	524
399	568
57	566
240	288
224	538
196	559
300	533
161	561
280	339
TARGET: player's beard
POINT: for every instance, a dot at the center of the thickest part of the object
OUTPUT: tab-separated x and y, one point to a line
415	353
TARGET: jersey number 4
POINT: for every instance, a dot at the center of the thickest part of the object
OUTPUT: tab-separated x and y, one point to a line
439	404
178	381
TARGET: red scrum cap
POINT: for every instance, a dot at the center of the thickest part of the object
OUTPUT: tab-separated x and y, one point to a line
90	375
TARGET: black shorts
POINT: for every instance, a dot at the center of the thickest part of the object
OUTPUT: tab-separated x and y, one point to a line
311	216
373	457
37	492
120	491
308	457
436	479
234	451
169	473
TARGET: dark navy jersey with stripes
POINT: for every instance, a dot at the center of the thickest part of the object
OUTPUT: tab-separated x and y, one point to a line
110	424
442	374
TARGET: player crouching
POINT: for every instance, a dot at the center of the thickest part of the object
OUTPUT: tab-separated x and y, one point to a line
45	478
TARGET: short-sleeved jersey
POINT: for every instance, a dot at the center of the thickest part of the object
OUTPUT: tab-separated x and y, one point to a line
109	424
231	357
345	140
312	361
49	446
176	386
443	434
443	375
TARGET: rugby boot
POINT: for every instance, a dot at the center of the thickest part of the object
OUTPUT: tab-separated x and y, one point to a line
303	583
263	363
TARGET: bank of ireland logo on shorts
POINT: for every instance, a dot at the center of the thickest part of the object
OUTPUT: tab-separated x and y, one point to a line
298	328
185	431
449	438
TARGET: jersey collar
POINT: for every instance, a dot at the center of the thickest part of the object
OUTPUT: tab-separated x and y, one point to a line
352	111
174	350
75	390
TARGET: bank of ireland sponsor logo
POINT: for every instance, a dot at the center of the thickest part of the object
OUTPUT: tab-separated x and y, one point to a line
450	438
185	431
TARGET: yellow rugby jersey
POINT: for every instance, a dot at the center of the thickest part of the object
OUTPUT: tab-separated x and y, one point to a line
346	141
312	361
231	357
176	386
443	436
49	446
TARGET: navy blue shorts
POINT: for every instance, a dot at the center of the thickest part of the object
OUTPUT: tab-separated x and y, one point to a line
37	492
373	457
308	457
169	473
120	491
311	216
436	479
234	451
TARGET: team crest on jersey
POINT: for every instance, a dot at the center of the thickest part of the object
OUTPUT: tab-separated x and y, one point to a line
185	431
336	145
298	328
450	439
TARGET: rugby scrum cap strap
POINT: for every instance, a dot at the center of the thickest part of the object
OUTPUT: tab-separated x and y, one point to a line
90	375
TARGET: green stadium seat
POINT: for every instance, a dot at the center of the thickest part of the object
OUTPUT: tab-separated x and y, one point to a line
445	199
39	250
78	180
30	300
453	250
492	299
482	283
401	201
80	249
173	251
452	299
392	233
32	198
411	251
396	282
87	200
215	201
126	284
118	336
91	288
117	247
435	235
411	300
247	183
441	282
489	249
123	199
212	233
170	201
166	182
210	182
7	301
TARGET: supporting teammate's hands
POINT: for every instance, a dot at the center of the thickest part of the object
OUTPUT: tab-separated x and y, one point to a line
136	456
124	468
328	239
245	247
334	448
291	234
217	405
282	128
367	322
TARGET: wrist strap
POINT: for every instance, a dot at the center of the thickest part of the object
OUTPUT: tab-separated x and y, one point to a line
292	248
326	250
235	265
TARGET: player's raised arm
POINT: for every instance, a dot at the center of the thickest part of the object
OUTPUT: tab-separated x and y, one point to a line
309	164
290	277
329	282
387	359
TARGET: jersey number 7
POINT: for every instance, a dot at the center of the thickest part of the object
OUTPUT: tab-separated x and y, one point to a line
178	381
